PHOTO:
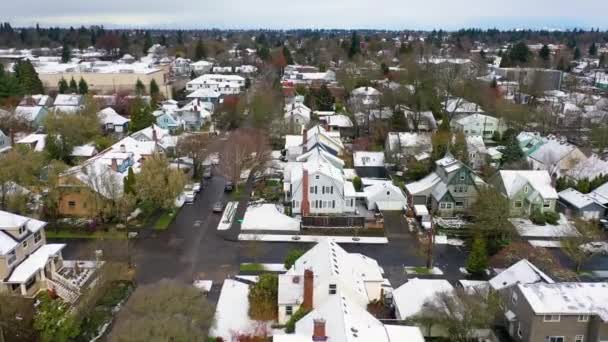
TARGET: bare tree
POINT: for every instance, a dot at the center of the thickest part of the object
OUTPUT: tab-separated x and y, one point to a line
246	149
577	248
194	146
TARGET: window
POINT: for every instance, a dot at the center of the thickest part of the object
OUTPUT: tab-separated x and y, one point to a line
551	318
21	230
331	190
583	318
332	288
546	204
462	176
289	310
323	190
72	204
293	203
514	298
11	257
37	237
448	205
556	339
316	192
312	189
579	338
333	204
526	189
317	177
459	204
518	204
442	205
24	244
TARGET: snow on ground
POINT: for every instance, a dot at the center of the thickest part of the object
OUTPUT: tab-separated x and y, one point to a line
413	270
228	216
271	267
545	243
311	238
443	240
526	228
268	216
231	313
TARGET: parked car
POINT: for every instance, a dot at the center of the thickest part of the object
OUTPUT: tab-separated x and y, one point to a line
599	247
196	188
218	207
229	186
207	173
189	196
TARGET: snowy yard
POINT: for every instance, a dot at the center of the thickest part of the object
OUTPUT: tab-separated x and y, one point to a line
526	228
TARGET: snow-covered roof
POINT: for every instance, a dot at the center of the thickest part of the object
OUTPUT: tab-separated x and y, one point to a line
552	151
267	216
567	298
319	155
522	272
339	120
34	263
384	192
87	150
7	243
425	184
349	190
68	100
368	159
37	140
109	116
575	198
540	180
293	140
12	221
460	105
600	194
411	296
366	91
405	140
204	93
589	168
29	113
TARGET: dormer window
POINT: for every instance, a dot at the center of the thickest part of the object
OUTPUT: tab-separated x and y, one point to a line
526	189
21	230
333	288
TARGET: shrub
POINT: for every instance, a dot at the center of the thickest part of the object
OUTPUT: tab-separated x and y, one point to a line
477	261
291	257
357	183
537	217
263	298
551	217
290	326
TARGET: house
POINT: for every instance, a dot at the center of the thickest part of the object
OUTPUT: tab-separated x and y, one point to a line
556	156
529	142
365	96
451	189
316	185
556	312
208	98
600	194
201	67
224	84
318	136
521	272
34	141
68	103
297	116
29	265
158	135
460	106
112	122
340	123
590	168
478	125
410	298
5	142
369	164
193	115
527	190
384	196
478	154
406	145
576	204
419	121
33	115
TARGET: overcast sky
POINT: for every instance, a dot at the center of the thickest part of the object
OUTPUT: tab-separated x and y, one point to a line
389	14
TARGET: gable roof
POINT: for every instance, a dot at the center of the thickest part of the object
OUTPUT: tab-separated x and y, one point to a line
411	296
521	272
577	198
540	180
109	116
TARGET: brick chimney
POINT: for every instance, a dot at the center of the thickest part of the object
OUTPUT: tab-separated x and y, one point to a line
304	140
309	278
305	206
114	164
318	333
154	136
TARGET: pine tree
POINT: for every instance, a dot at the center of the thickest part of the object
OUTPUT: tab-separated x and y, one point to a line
140	88
65	53
200	51
63	86
287	55
519	53
355	45
577	53
73	86
593	49
141	115
129	183
83	87
477	262
154	90
545	53
28	79
512	152
147	43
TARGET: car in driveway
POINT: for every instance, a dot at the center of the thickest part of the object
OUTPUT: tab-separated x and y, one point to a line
229	186
189	193
196	187
599	247
218	207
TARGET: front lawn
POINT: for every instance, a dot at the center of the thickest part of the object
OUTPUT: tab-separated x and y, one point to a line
164	220
79	233
252	267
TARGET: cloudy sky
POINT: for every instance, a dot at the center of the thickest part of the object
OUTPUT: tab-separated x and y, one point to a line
389	14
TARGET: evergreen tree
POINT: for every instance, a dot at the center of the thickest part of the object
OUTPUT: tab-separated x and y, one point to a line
593	49
355	45
129	183
63	86
519	53
140	88
124	44
287	55
147	43
545	53
200	51
154	90
477	262
577	53
141	115
28	79
73	86
83	87
65	53
512	152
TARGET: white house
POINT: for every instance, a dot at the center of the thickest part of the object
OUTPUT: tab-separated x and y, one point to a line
224	84
384	196
112	122
478	125
68	103
329	141
208	98
201	67
407	144
366	96
297	115
557	156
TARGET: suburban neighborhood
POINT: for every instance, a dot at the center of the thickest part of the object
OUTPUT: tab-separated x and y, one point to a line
340	185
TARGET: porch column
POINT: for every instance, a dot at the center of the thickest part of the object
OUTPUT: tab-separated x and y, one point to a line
53	259
23	289
42	275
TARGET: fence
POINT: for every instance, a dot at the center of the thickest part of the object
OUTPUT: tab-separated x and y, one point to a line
333	221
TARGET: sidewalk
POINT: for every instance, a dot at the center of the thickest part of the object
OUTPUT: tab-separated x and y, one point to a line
311	238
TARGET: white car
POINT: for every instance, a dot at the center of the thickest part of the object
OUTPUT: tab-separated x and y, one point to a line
599	247
188	196
196	188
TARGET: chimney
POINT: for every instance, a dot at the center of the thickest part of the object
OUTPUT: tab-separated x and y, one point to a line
154	136
309	278
305	140
114	164
318	333
305	207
